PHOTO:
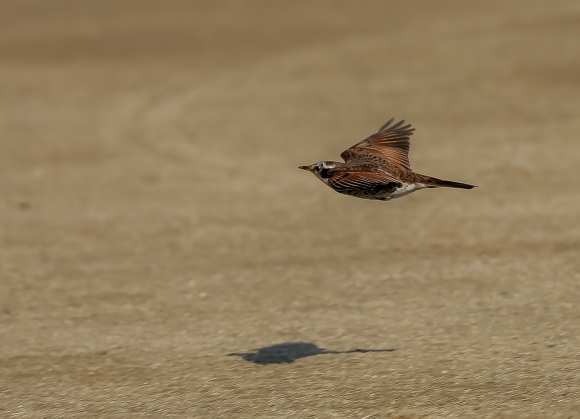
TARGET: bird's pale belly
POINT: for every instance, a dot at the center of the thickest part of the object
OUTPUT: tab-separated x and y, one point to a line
406	189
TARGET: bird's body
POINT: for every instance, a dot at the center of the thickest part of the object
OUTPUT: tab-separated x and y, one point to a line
378	167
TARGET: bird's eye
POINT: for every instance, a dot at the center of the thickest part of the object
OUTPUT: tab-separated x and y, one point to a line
318	168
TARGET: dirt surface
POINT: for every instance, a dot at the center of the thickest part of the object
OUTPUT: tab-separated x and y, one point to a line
163	257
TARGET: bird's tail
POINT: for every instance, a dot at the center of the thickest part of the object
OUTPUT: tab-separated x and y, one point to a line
437	183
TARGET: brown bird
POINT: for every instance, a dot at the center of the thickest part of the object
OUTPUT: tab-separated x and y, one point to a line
378	167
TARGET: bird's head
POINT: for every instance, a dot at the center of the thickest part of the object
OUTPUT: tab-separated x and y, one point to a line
320	169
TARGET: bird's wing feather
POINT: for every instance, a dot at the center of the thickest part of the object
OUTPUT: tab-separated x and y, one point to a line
390	143
344	181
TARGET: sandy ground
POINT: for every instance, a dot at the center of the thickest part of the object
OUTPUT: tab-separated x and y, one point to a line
163	257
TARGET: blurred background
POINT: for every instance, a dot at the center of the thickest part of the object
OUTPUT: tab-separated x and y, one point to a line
153	219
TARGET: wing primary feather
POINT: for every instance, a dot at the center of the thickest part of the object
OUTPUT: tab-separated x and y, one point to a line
385	126
397	125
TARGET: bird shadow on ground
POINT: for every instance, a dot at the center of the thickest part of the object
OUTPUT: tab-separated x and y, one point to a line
286	353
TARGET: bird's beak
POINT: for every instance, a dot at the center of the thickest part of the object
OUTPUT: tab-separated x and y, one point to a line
305	168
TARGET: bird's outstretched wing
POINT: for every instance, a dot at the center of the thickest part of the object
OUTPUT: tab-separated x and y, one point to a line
390	143
362	181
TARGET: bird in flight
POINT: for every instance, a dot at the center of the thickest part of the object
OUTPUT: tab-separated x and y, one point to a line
378	167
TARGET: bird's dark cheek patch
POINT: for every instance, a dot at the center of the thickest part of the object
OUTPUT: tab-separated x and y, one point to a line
324	173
